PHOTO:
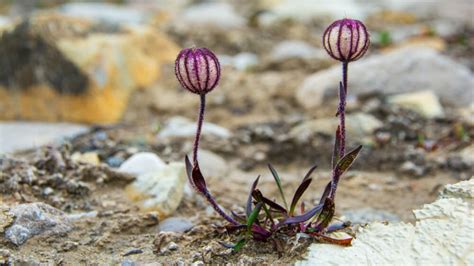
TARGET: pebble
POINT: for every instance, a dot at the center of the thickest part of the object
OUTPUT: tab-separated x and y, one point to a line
175	224
426	103
37	218
160	190
410	168
87	157
401	71
141	163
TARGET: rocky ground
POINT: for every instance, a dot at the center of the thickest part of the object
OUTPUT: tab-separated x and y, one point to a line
117	194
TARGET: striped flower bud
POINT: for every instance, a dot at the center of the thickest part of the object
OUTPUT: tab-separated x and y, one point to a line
346	40
198	70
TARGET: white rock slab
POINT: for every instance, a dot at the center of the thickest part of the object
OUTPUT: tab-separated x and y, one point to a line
161	190
17	136
401	71
442	235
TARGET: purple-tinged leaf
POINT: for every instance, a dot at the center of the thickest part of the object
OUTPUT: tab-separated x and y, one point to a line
326	215
198	179
326	192
237	217
304	217
345	162
326	239
278	181
248	208
259	233
337	226
253	216
301	189
273	205
335	152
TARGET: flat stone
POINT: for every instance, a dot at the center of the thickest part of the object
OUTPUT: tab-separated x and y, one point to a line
401	71
142	163
425	103
175	224
160	190
18	136
442	235
37	218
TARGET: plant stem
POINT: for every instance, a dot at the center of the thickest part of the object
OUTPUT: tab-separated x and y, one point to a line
342	128
342	111
199	127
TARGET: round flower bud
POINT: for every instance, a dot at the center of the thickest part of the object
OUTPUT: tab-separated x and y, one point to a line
346	40
198	70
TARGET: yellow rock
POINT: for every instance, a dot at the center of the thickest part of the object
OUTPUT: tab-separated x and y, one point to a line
60	68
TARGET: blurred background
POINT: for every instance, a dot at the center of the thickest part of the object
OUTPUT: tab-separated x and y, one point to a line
94	81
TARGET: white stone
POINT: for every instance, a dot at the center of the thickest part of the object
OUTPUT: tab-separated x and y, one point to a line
211	164
182	127
467	154
142	163
18	136
296	49
403	70
219	15
105	13
463	189
442	235
161	190
425	103
358	125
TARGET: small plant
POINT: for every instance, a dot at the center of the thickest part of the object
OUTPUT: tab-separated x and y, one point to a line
198	71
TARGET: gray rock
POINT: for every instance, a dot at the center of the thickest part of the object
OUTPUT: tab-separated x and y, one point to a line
241	61
403	70
211	164
175	224
37	218
141	163
412	169
219	15
182	127
17	136
367	215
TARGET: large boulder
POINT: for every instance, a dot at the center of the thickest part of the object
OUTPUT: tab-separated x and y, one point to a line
54	67
404	70
442	235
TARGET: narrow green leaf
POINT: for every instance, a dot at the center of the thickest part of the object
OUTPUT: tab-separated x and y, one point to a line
278	181
346	161
253	217
239	245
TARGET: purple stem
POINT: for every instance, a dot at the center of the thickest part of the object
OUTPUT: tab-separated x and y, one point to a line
342	127
199	127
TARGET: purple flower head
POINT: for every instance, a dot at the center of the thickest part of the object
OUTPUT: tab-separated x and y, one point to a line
198	70
346	40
